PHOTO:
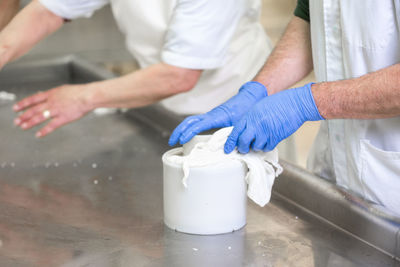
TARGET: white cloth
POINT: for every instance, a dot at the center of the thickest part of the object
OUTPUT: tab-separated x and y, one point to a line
223	37
263	166
350	39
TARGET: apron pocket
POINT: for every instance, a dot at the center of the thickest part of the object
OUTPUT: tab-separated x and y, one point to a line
367	24
380	175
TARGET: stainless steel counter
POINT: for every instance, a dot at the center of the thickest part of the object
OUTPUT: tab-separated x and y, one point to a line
91	195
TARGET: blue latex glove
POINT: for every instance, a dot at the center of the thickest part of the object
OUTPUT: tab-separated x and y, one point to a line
273	119
226	114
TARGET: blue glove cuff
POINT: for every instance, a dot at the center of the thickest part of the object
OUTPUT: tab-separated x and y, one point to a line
256	89
314	114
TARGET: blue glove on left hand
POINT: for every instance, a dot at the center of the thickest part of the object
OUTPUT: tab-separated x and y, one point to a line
273	119
224	115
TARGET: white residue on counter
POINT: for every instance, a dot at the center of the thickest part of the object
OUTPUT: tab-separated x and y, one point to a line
104	111
7	96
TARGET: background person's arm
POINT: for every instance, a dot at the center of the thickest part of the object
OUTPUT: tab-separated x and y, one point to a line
198	38
142	87
8	9
28	27
70	102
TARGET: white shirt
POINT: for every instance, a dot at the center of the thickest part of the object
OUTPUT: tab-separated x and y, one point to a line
350	39
222	37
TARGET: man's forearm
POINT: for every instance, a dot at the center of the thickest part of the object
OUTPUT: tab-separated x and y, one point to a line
30	26
142	87
374	95
290	61
8	9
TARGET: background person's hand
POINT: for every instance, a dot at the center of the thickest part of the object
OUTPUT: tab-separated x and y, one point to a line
273	119
226	114
60	105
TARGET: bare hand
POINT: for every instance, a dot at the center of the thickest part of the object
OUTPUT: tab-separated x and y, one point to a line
60	105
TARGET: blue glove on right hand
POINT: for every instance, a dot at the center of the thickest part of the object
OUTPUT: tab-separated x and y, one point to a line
273	119
224	115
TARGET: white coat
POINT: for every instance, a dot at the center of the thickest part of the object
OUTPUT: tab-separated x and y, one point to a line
222	37
350	39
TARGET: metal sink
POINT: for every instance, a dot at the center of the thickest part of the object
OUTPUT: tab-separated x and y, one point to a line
90	194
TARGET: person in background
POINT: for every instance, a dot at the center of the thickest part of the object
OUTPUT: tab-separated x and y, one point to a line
193	55
354	49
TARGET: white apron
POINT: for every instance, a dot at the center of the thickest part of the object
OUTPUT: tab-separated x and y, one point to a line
350	39
145	25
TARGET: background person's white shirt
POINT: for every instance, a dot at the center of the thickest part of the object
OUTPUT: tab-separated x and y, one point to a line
222	37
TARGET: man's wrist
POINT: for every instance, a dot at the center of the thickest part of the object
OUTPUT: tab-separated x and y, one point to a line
314	110
319	93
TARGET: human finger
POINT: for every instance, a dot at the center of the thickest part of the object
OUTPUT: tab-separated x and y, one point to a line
30	100
197	128
269	146
231	142
244	141
51	126
33	121
28	114
259	144
186	123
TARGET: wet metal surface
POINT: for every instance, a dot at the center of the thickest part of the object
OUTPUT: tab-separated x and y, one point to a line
91	195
